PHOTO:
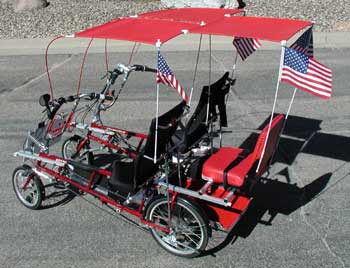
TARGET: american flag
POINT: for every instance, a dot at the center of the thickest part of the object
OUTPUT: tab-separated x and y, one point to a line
304	44
246	46
167	77
306	73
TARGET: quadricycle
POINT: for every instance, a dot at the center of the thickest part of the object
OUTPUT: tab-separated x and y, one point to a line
178	180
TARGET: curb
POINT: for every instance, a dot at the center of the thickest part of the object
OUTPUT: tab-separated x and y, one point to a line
37	46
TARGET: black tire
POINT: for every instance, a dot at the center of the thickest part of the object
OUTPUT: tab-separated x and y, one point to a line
189	227
69	150
32	196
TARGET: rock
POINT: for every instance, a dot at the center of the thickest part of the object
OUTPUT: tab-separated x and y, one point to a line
21	5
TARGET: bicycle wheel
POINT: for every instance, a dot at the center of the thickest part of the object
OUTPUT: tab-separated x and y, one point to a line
32	195
70	150
188	234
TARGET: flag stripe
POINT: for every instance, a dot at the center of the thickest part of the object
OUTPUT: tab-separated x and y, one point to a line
320	68
167	77
310	76
307	80
301	86
246	46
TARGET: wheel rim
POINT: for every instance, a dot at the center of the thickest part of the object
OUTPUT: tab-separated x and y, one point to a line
69	149
186	235
30	195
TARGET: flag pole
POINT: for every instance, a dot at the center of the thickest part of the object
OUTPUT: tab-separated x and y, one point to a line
283	43
207	118
291	101
195	69
158	44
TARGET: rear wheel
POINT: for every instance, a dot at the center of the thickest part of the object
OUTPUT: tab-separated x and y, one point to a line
188	234
29	193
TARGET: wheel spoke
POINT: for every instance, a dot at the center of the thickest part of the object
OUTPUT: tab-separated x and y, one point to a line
189	237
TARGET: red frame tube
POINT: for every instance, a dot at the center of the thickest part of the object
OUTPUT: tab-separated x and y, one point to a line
120	131
25	184
47	64
104	199
111	145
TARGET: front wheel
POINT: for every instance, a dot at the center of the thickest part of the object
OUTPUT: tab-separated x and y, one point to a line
188	236
28	187
70	150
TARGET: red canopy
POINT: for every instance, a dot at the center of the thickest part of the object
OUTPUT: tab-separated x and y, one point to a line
164	25
269	29
141	30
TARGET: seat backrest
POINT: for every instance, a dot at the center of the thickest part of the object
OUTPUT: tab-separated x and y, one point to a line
167	124
275	131
196	126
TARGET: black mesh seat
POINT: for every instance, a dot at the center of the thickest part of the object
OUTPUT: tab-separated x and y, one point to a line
196	127
127	176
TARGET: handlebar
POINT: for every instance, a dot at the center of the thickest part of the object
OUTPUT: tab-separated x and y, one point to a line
53	106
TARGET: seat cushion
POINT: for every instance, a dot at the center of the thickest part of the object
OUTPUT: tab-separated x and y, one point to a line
214	168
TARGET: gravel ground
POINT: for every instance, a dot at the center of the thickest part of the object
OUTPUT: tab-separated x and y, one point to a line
68	16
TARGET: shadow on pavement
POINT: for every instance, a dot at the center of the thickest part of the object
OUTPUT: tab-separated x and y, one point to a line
56	194
304	135
272	197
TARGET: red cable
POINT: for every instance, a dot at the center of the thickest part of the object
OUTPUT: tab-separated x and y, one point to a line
106	56
82	66
132	53
47	64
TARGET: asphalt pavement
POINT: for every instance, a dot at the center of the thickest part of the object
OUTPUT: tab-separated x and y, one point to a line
300	215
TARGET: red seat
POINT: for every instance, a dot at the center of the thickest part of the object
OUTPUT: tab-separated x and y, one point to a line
231	166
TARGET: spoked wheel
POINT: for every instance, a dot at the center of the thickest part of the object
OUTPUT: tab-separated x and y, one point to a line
28	187
70	150
188	234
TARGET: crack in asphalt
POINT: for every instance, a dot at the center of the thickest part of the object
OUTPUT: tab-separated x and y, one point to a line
303	214
36	78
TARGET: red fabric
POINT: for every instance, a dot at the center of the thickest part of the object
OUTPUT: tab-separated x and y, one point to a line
191	15
137	30
167	24
275	131
269	29
213	168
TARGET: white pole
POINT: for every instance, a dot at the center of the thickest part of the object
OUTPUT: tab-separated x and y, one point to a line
158	44
283	43
290	105
195	70
207	118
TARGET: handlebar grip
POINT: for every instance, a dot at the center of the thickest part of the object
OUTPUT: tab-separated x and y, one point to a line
148	69
144	68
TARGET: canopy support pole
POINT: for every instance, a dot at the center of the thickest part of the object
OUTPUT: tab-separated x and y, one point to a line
106	58
82	65
195	69
158	44
274	104
233	74
133	51
47	64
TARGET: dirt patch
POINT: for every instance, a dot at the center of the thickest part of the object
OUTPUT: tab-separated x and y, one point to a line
342	26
